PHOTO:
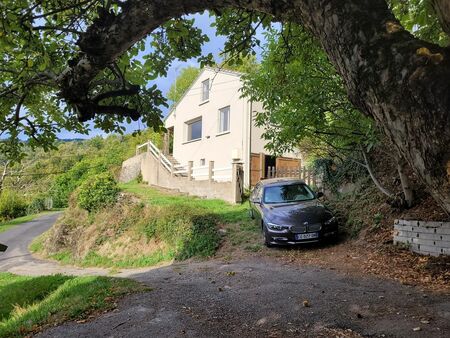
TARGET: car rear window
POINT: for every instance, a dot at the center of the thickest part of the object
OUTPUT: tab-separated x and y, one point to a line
288	193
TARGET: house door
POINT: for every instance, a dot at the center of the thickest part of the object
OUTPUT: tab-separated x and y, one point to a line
255	169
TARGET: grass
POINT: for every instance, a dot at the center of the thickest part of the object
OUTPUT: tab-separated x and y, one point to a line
226	212
7	225
30	303
160	228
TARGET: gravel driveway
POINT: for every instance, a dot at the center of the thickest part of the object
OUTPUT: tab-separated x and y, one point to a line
245	297
262	298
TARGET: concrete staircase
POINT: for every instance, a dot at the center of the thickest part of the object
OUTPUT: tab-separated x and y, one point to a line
177	166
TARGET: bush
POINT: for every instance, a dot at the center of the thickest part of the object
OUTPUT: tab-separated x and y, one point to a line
98	191
189	230
36	205
11	205
66	183
139	178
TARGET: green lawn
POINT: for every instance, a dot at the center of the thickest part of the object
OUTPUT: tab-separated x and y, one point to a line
16	221
226	212
30	303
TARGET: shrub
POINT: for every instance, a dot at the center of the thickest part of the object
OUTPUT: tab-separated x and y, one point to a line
36	205
97	191
139	178
189	230
66	183
11	205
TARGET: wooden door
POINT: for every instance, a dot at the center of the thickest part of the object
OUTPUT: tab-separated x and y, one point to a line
255	169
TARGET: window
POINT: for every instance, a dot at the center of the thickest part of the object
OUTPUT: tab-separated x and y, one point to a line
224	119
202	162
288	193
194	130
205	90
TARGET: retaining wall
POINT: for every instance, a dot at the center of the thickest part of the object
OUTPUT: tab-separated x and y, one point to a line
429	238
154	173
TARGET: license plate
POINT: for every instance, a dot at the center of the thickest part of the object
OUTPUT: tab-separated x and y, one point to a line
310	235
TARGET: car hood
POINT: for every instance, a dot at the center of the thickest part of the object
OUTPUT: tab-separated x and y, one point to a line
296	213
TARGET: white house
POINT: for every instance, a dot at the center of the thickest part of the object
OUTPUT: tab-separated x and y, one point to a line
212	122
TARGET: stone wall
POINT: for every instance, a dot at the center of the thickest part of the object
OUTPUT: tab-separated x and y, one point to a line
131	168
429	238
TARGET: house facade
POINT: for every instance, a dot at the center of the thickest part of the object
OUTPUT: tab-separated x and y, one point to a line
212	123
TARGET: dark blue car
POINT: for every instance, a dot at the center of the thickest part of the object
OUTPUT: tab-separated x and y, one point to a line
289	212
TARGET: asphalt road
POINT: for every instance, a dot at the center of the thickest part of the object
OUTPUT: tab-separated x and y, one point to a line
17	258
18	238
251	297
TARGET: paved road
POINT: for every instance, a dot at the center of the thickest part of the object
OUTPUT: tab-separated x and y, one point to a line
17	259
18	238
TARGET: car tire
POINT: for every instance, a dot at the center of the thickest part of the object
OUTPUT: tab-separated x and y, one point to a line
266	240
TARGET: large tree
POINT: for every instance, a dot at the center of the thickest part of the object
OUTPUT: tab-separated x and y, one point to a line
399	80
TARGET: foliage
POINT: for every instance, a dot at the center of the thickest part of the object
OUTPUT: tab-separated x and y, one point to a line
182	83
239	63
335	173
55	174
135	234
11	205
37	205
304	98
418	17
97	191
67	182
38	42
31	302
189	231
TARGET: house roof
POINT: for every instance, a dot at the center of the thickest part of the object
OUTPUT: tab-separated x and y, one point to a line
216	70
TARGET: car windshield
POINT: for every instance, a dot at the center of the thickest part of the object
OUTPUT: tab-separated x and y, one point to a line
288	193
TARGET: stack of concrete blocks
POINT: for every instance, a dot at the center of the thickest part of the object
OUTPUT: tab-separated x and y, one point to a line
428	238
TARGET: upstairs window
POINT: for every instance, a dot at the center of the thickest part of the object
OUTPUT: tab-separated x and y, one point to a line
224	119
194	130
205	90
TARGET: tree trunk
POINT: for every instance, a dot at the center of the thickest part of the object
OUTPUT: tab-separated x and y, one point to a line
442	9
400	81
373	177
408	192
2	178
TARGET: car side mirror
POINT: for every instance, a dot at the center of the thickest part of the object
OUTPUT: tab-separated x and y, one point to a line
256	201
319	194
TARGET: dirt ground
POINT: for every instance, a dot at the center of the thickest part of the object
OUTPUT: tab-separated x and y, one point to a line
349	289
262	296
373	253
353	288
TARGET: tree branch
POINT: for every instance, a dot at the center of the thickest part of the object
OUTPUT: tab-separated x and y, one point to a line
133	90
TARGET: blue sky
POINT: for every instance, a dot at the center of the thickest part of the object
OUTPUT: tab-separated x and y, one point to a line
214	46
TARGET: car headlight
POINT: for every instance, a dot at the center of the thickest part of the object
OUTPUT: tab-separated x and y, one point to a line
277	227
330	221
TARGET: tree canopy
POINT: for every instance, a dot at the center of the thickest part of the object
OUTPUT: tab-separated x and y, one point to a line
65	63
182	83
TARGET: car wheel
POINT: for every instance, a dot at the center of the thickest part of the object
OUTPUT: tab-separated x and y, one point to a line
266	240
